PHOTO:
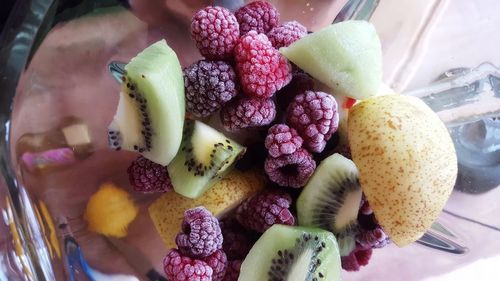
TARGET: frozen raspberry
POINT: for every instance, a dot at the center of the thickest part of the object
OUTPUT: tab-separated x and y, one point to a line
215	31
246	113
233	270
375	238
265	209
259	16
282	140
286	34
181	268
209	85
314	115
371	234
292	170
218	262
300	83
148	177
357	258
261	68
201	235
237	240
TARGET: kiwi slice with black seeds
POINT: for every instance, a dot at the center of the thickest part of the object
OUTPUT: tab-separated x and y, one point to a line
331	200
205	156
293	253
150	114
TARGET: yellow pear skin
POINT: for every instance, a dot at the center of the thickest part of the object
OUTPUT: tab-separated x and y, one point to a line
406	160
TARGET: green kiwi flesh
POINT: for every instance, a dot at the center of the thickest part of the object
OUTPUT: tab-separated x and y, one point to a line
205	156
331	200
150	114
293	253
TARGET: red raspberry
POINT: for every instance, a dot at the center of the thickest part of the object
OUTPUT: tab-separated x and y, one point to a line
265	209
286	34
282	140
371	234
148	177
181	268
292	170
209	85
300	83
259	16
375	238
237	241
314	115
261	68
215	31
357	258
218	262
201	235
233	271
246	113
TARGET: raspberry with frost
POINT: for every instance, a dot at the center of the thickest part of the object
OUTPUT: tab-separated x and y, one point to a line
215	31
201	234
148	177
282	140
262	69
260	16
314	115
286	34
245	112
209	85
181	268
291	170
263	210
218	262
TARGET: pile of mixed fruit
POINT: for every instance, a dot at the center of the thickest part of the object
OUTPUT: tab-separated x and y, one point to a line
331	163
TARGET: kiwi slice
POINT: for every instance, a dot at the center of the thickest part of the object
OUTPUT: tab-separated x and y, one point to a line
150	114
331	200
293	253
205	156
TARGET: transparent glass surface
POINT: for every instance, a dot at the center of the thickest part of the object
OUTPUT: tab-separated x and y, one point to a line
58	98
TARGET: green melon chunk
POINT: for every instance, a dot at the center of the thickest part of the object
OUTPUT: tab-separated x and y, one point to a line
346	56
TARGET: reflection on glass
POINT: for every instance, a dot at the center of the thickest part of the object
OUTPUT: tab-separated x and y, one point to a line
62	146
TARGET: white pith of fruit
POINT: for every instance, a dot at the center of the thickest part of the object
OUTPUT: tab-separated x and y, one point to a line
300	270
203	134
127	122
349	209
